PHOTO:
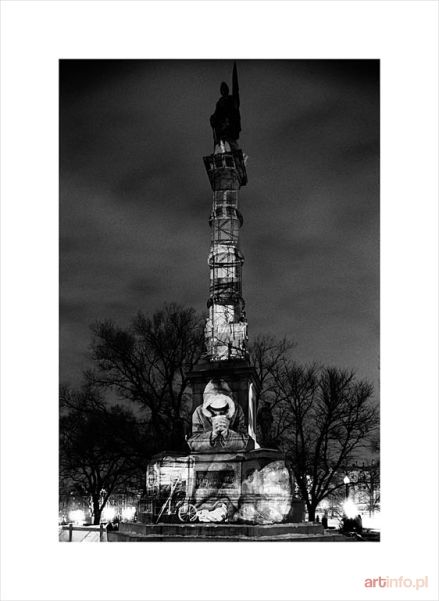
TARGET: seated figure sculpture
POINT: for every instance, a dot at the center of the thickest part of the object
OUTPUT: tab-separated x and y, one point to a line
218	425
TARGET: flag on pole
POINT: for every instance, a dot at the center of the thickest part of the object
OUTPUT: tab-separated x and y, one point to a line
235	86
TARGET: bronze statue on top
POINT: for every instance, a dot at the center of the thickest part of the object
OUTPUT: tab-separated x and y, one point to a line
226	120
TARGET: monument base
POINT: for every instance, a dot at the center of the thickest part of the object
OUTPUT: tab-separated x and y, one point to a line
135	532
252	487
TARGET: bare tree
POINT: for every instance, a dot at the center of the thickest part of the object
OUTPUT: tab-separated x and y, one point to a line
97	447
269	356
323	417
369	477
367	484
148	364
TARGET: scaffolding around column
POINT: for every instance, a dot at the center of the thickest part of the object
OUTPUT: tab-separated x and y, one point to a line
226	327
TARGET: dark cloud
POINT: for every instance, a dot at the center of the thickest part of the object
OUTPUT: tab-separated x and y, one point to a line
135	199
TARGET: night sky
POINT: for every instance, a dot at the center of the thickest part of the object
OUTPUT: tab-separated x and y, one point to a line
135	199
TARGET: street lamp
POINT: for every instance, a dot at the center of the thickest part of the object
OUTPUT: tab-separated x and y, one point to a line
346	483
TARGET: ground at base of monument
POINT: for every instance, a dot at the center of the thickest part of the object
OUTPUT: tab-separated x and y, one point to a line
132	538
135	532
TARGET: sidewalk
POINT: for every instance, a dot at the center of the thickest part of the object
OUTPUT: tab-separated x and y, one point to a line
82	534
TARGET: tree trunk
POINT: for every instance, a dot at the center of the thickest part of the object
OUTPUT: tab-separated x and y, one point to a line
178	442
96	511
292	480
311	512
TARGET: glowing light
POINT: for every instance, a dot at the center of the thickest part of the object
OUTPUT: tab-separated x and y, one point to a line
77	516
109	513
350	509
128	513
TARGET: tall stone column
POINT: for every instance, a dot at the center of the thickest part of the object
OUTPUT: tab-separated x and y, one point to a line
226	328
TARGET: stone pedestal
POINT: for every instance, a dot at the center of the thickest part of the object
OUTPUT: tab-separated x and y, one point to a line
250	487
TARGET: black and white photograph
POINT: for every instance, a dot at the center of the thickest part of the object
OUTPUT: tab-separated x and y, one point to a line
219	300
219	292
